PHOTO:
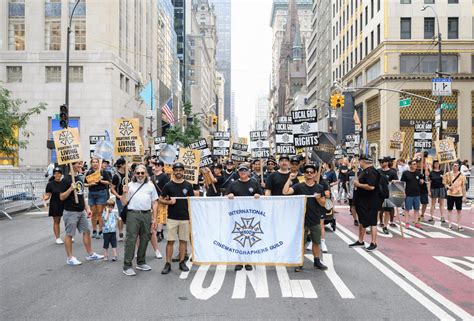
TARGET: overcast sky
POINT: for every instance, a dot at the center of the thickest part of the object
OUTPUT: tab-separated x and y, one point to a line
251	57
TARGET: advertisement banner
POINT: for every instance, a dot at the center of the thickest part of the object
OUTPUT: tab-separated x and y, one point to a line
247	230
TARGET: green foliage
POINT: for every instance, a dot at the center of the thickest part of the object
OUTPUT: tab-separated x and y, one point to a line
187	135
12	120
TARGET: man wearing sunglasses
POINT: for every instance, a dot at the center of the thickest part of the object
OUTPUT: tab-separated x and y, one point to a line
142	207
315	208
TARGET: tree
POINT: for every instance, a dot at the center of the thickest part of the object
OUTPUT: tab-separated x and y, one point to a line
12	120
190	133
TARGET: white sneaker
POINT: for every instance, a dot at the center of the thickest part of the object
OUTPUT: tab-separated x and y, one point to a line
59	241
73	261
324	247
309	247
158	254
94	256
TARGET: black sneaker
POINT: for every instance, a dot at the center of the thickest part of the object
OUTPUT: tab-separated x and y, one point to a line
183	267
357	244
385	230
333	225
319	265
166	269
238	267
356	223
371	247
248	267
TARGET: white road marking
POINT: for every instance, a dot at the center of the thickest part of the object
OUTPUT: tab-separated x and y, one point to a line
184	275
382	234
453	263
397	231
470	258
438	226
331	273
296	289
258	280
434	235
417	295
464	226
201	293
409	231
284	281
308	290
35	213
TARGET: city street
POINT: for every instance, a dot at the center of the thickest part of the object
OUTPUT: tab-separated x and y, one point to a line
427	275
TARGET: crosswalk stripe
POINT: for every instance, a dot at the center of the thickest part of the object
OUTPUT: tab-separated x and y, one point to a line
284	281
308	290
442	228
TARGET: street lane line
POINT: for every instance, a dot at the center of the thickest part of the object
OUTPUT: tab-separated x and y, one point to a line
308	290
397	231
464	226
258	280
470	258
201	293
34	213
451	262
296	290
435	235
409	231
438	226
436	310
284	281
189	264
340	286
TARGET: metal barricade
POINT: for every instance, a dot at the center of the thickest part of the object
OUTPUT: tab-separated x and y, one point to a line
470	191
21	196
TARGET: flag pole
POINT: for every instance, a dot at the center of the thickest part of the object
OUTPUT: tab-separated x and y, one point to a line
151	114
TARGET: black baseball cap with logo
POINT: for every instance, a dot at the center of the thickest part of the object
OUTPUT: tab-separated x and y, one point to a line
178	165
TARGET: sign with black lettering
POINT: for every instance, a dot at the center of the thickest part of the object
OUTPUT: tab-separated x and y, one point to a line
284	136
305	127
352	144
127	137
191	159
423	134
221	144
445	151
159	143
93	141
206	156
338	153
68	146
239	152
259	144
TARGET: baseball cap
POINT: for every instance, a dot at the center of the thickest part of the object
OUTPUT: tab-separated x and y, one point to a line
366	158
243	167
284	156
57	170
178	165
294	159
229	162
160	163
313	166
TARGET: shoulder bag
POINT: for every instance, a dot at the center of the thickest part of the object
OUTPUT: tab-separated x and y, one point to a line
123	213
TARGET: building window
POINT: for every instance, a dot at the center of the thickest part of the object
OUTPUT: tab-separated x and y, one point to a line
453	1
405	28
361	22
429	1
372	8
378	5
429	28
76	74
453	28
366	15
355	55
360	51
53	74
52	35
14	74
405	1
366	46
127	85
122	82
372	72
427	64
372	40
78	36
16	34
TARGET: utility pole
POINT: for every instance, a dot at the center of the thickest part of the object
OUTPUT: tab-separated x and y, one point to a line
68	43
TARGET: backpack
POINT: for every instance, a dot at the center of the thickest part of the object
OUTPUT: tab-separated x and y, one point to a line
383	191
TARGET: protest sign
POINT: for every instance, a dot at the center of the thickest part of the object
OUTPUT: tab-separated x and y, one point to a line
221	144
305	127
445	151
159	143
93	140
94	177
244	230
397	139
284	136
127	137
259	144
422	136
396	193
68	146
206	157
239	152
338	153
191	160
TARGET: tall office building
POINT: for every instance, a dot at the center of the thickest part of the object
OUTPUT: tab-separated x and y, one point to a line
223	10
261	113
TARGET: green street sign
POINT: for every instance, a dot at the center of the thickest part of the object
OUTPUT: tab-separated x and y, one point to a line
405	102
446	106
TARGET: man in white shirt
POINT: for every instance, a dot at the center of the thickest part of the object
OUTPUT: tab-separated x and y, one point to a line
142	207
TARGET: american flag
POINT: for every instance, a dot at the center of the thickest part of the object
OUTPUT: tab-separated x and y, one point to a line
168	111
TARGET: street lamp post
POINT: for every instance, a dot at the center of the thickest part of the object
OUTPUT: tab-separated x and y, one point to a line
68	43
439	72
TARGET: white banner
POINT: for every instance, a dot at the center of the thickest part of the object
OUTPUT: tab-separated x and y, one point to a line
259	144
265	231
304	128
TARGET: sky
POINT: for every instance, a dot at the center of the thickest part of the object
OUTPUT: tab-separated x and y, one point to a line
251	57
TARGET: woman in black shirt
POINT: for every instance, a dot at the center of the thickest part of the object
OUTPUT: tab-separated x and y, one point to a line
437	190
56	206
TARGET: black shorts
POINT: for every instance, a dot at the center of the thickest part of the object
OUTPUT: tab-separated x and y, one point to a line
351	202
454	200
424	199
367	215
110	238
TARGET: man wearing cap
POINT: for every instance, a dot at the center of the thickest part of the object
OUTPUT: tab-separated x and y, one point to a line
142	207
315	208
229	174
277	180
367	201
118	180
387	209
295	169
270	168
178	215
244	186
159	179
258	173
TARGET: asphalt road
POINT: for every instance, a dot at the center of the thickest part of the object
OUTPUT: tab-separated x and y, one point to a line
36	284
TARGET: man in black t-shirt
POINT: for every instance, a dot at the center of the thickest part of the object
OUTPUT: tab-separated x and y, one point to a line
244	186
258	172
276	181
413	181
367	201
118	180
178	215
218	179
315	208
159	180
74	215
229	174
387	210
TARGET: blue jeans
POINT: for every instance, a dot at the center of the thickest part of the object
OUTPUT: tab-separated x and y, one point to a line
412	203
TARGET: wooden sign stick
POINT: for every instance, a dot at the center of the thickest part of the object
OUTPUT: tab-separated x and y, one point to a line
73	179
400	222
261	169
125	194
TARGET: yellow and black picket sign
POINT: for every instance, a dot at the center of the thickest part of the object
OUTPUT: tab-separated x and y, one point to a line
191	159
445	151
397	140
127	137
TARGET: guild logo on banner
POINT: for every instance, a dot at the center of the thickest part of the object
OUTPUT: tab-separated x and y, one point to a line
66	138
126	128
246	232
286	138
305	127
189	158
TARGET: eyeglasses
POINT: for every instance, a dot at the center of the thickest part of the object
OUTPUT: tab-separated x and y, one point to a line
309	172
140	173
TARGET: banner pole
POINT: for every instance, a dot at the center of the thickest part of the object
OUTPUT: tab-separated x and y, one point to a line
125	194
73	180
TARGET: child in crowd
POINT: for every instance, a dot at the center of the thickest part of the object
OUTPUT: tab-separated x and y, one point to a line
110	220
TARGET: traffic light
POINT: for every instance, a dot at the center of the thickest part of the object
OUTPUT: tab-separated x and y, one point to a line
63	116
214	120
339	101
333	101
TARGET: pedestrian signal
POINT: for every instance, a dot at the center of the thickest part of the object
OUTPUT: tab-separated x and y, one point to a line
63	116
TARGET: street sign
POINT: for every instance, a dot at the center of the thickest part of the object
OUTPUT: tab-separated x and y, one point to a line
446	106
441	87
405	102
